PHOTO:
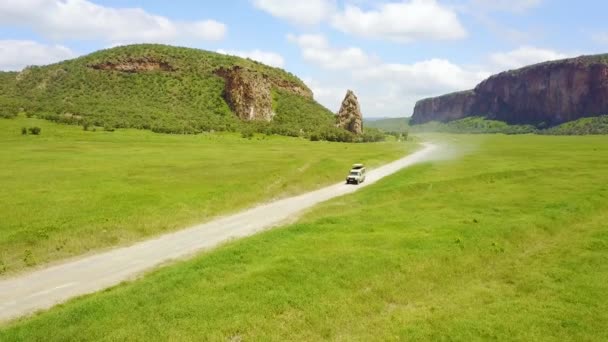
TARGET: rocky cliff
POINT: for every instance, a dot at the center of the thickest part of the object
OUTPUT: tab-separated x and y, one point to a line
249	93
547	93
349	116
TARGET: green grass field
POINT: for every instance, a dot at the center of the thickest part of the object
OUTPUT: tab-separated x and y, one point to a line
69	191
506	242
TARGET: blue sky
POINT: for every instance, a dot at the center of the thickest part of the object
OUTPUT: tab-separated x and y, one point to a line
391	53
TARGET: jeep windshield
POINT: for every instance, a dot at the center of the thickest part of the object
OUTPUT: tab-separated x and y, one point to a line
354	173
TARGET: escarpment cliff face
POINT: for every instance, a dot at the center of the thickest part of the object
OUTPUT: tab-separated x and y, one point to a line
249	94
349	116
549	93
444	108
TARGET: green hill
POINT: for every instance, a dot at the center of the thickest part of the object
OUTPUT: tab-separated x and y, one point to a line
583	126
473	124
398	125
162	88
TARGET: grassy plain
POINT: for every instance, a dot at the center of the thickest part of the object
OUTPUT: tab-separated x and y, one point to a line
68	191
507	241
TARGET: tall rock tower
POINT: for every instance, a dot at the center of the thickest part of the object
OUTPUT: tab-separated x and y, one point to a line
349	117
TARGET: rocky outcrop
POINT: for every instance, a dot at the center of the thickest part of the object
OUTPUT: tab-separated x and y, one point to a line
349	116
248	93
548	93
134	65
444	108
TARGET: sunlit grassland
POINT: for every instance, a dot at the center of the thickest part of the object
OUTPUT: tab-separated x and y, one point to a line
69	191
506	241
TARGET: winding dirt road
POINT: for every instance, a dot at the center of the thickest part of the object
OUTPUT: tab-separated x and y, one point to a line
44	288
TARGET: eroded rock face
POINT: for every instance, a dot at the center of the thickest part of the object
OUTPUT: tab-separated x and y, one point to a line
135	65
248	93
550	93
349	116
444	108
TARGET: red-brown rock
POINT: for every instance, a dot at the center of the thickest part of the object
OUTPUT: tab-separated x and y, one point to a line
549	93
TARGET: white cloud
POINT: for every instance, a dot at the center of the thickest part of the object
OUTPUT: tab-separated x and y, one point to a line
266	57
384	89
316	49
17	54
506	5
401	21
431	76
306	12
329	94
82	19
523	56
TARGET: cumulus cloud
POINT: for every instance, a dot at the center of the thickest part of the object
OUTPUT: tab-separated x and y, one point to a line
506	5
384	89
523	56
266	57
17	54
316	49
328	93
82	19
308	12
401	21
426	77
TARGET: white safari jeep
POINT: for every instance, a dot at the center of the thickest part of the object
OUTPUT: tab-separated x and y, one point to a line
356	175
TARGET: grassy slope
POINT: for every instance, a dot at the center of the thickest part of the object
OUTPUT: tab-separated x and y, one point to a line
68	191
508	242
473	124
583	126
9	100
593	125
186	100
390	124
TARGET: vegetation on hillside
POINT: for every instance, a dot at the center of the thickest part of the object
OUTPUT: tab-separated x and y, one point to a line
592	125
395	125
186	98
67	191
583	126
475	248
9	101
473	125
584	60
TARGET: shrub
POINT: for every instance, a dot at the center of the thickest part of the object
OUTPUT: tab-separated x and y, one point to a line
372	135
108	128
23	131
247	133
34	130
85	126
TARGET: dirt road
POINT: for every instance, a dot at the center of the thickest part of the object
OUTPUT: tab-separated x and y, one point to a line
44	288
